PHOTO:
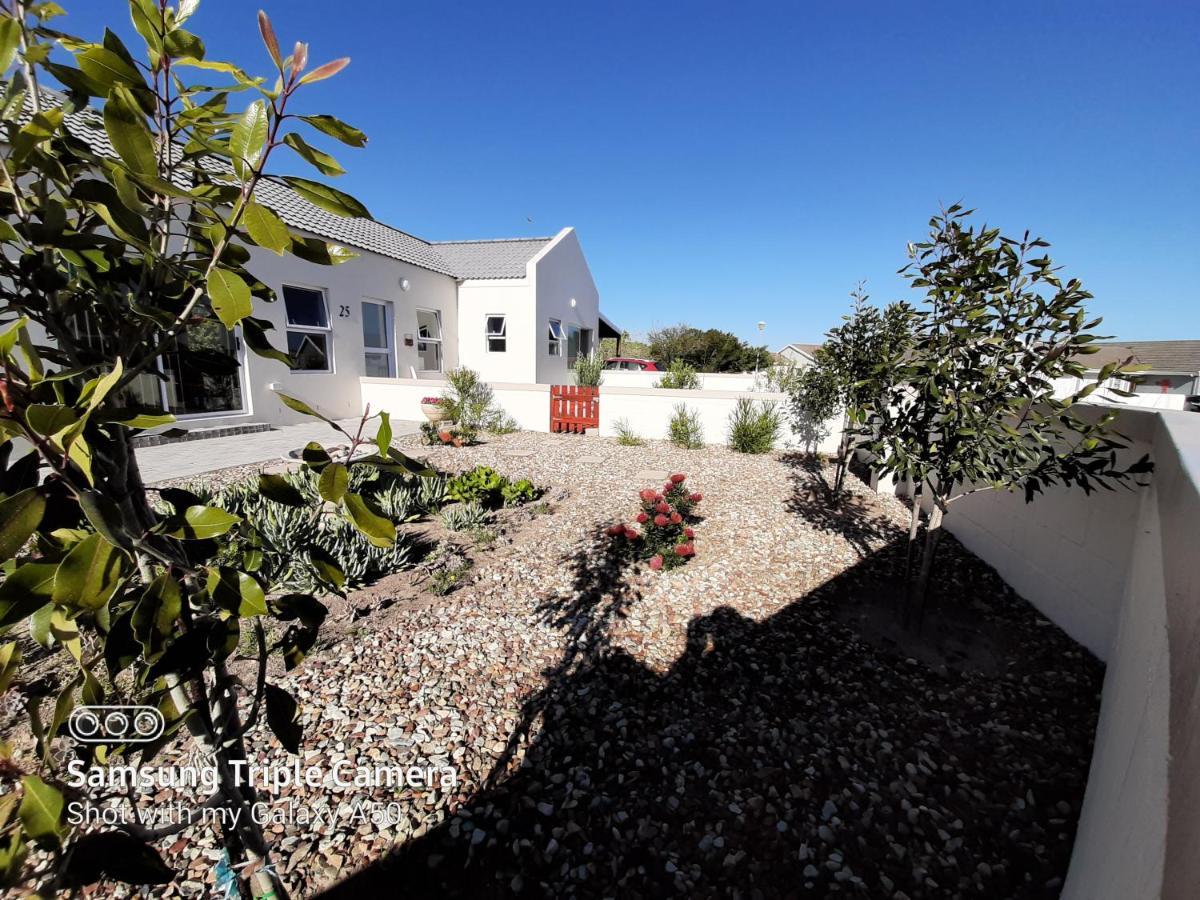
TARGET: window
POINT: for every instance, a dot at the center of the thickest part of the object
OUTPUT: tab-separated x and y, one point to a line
556	337
308	331
579	343
429	340
378	345
497	338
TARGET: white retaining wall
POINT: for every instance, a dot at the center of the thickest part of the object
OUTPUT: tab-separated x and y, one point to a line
646	410
1120	572
710	381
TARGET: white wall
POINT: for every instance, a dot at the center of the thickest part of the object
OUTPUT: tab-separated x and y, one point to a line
713	381
1146	397
511	297
560	274
646	410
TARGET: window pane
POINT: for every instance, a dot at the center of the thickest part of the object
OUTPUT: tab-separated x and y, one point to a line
309	352
430	356
375	332
428	325
572	342
305	307
379	365
497	344
556	332
585	341
495	326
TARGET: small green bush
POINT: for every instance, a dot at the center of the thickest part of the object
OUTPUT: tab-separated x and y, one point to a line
626	436
464	516
479	485
589	370
517	492
680	377
753	428
685	429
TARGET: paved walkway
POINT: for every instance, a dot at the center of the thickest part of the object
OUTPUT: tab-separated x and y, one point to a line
185	458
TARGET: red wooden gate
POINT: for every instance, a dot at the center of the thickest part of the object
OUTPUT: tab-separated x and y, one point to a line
573	408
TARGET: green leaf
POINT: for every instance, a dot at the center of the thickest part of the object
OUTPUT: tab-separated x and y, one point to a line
375	528
333	483
20	515
139	420
319	252
26	591
328	569
229	295
41	810
47	419
204	522
383	437
89	574
246	141
154	617
323	162
108	69
10	663
266	229
254	332
280	490
335	128
236	591
10	37
314	456
284	718
327	198
127	130
301	407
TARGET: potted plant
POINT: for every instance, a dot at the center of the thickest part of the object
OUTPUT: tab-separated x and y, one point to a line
434	409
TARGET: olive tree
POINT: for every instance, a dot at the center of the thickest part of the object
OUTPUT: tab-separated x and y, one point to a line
109	259
972	405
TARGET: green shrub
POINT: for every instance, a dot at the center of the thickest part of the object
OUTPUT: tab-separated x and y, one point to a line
626	436
479	485
753	428
471	405
517	492
680	377
464	516
685	429
589	370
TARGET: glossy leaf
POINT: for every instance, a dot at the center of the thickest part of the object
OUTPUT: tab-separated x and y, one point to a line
334	481
327	198
266	229
323	162
20	516
204	522
278	489
41	810
338	129
375	528
246	141
230	297
89	574
284	718
126	128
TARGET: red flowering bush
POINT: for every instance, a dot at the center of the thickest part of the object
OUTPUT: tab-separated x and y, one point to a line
432	401
666	540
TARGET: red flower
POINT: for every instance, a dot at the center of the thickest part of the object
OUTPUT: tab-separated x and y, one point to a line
685	550
445	436
658	498
678	477
696	498
656	563
615	530
663	507
676	518
660	520
689	533
632	534
432	401
648	495
668	487
642	518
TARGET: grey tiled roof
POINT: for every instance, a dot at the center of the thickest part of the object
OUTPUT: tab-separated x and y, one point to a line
504	258
1160	356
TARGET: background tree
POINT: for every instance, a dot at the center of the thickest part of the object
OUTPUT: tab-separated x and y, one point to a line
145	600
705	351
972	404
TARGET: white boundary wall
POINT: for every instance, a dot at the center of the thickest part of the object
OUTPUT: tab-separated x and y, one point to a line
647	410
1120	572
709	381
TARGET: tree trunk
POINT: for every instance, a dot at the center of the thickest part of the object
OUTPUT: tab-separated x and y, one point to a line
914	525
933	534
843	461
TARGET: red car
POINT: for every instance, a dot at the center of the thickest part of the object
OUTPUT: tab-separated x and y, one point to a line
629	364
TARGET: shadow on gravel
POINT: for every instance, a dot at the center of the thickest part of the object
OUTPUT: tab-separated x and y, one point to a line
786	757
854	516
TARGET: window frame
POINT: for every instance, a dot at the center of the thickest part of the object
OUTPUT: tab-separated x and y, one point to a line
389	334
555	344
327	330
502	337
441	359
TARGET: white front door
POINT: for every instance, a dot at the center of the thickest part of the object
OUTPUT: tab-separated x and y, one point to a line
379	344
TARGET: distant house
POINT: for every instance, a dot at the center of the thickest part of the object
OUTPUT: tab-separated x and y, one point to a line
514	309
797	355
1171	376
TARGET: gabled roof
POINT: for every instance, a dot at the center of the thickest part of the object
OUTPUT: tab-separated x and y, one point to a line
1161	356
501	258
802	348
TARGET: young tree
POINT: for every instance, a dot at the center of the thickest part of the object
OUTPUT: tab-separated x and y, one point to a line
850	371
143	247
972	404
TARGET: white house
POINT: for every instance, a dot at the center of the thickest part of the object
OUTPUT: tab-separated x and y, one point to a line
797	354
517	310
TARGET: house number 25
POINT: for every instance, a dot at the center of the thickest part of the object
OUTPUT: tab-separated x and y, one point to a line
343	311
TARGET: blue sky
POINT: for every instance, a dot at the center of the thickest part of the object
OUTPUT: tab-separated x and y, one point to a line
726	163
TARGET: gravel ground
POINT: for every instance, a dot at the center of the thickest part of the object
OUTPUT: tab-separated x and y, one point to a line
718	730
